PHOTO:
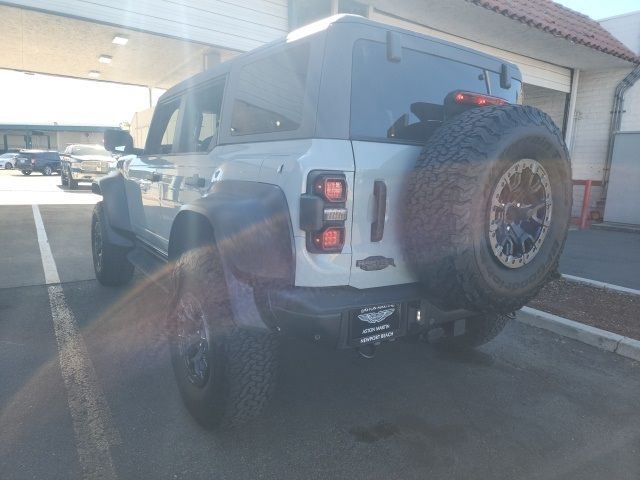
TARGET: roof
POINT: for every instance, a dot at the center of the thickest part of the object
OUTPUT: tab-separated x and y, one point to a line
560	21
57	128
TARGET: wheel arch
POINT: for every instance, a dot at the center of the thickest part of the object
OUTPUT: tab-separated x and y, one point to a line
116	211
191	228
250	224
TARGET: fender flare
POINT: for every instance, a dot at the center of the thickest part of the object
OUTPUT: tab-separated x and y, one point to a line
118	225
252	229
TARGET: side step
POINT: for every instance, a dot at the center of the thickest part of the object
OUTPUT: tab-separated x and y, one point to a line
152	264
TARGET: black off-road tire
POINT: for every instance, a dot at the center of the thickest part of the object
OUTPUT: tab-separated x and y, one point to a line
64	179
479	330
26	172
242	362
449	205
110	261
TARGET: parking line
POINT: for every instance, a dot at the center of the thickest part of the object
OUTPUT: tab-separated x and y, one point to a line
89	410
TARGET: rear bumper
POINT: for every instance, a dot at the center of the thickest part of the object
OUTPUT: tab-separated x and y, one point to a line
323	314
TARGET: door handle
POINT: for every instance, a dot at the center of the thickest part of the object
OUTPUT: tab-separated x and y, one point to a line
194	181
380	210
154	177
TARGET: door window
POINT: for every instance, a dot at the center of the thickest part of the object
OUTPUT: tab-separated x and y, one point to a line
202	118
163	130
271	93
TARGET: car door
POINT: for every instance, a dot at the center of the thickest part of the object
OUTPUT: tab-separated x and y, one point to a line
187	175
143	173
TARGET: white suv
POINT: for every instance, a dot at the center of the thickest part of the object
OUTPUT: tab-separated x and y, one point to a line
351	184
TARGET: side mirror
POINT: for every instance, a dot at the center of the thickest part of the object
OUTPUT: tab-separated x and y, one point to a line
115	139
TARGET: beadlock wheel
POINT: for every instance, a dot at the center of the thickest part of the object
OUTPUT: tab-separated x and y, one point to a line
520	214
193	340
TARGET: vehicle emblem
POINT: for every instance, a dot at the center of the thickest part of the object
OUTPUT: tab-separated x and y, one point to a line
375	263
376	317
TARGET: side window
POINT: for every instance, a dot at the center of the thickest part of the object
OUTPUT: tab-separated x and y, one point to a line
202	118
404	101
271	92
163	128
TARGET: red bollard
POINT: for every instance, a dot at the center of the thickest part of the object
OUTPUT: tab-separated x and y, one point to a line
585	204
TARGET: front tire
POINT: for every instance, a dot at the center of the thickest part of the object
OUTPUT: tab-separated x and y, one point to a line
110	261
47	171
225	373
26	172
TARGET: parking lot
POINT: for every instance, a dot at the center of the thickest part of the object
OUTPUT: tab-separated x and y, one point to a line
100	401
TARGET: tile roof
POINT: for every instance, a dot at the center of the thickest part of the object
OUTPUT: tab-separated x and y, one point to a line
560	21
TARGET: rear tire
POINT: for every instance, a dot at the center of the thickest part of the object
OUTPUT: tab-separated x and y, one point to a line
26	172
225	373
8	166
488	208
110	261
47	171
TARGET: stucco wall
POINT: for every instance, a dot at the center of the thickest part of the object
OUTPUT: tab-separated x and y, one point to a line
549	101
592	121
625	28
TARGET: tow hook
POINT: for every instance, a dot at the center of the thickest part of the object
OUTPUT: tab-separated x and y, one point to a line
368	351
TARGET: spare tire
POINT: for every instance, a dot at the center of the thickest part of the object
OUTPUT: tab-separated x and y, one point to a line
488	208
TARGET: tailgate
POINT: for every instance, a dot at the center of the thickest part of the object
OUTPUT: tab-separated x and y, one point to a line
376	237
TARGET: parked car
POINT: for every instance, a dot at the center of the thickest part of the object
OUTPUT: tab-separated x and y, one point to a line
84	163
46	162
8	160
352	184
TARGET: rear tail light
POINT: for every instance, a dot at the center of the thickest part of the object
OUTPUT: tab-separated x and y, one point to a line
331	189
323	212
478	100
331	239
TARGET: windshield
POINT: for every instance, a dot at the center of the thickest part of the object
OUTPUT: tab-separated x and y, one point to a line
90	150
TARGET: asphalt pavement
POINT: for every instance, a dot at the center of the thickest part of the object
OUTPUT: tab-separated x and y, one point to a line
529	405
603	255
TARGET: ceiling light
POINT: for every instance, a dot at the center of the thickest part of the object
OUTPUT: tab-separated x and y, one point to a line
120	40
104	59
94	73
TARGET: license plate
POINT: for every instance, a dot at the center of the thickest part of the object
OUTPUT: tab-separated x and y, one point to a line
374	324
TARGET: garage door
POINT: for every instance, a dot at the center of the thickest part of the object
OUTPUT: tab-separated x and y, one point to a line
534	72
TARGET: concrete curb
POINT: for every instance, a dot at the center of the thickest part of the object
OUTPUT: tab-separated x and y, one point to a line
603	285
611	342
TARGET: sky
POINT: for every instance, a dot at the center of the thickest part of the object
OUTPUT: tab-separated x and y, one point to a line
43	99
598	9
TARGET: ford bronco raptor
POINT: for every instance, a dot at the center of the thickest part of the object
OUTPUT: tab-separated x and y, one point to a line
351	184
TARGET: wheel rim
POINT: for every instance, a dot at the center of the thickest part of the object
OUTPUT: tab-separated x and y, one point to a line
97	245
193	340
520	215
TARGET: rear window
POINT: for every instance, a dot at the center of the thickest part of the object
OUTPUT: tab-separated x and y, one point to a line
271	91
404	101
